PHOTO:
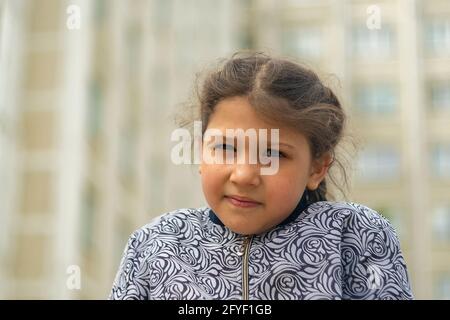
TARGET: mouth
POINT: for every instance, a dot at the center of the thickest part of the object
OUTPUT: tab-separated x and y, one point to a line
242	202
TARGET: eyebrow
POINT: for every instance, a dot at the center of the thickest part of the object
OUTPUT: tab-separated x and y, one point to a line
286	145
268	141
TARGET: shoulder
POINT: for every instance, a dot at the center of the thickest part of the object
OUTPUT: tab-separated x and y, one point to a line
348	215
147	241
373	266
365	235
360	228
169	226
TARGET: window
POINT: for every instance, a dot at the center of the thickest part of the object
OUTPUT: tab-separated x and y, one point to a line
371	44
438	37
304	42
442	286
30	252
301	2
133	42
441	224
123	230
100	8
441	161
440	96
127	149
378	99
39	129
162	15
37	192
88	212
95	108
379	163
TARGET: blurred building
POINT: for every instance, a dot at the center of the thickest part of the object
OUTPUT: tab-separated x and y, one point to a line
42	72
86	119
85	122
394	82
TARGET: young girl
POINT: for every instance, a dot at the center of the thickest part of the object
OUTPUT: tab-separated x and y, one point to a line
272	236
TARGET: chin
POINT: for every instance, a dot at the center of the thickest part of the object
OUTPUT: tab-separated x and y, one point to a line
241	231
244	231
238	228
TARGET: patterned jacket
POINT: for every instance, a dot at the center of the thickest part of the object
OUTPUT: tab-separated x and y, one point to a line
327	250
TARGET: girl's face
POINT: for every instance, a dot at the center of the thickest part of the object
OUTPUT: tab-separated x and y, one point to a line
275	196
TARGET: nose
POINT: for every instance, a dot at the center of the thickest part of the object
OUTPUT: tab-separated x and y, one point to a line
246	174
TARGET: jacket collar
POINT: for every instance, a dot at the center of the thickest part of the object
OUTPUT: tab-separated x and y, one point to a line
301	206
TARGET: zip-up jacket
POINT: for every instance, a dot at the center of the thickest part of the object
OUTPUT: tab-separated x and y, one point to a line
327	250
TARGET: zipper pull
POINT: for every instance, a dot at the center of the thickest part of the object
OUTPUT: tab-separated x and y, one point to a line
245	242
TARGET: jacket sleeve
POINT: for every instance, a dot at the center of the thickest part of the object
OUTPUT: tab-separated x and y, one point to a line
131	281
373	264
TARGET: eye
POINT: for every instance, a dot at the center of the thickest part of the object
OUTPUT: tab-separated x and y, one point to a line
275	153
224	146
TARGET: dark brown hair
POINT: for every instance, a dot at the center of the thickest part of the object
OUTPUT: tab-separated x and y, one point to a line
281	91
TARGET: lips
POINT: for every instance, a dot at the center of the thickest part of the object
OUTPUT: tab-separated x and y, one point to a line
242	202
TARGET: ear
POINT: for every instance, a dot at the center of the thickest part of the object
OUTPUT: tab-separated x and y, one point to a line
319	170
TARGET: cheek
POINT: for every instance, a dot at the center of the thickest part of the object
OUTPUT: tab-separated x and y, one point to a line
286	190
211	181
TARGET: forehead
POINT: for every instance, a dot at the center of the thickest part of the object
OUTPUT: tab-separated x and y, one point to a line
238	113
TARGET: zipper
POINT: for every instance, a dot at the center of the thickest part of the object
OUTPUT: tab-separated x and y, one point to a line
245	251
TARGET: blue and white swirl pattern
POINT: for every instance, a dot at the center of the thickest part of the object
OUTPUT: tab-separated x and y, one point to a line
330	251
